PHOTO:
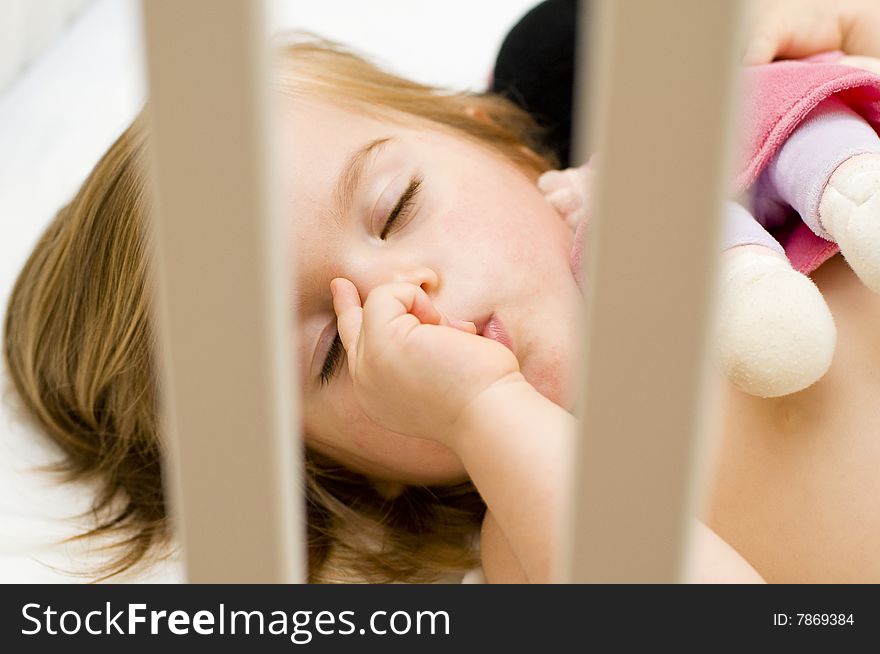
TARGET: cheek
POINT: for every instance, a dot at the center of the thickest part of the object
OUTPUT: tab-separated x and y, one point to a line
333	419
359	444
350	424
348	427
485	236
511	219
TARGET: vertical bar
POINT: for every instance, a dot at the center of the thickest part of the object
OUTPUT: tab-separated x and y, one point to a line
229	410
661	95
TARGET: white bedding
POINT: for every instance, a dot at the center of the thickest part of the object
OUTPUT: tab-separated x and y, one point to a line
62	114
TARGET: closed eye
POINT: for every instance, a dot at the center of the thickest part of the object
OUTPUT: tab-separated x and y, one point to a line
334	358
404	205
400	211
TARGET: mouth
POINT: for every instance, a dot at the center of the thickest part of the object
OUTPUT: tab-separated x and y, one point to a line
494	329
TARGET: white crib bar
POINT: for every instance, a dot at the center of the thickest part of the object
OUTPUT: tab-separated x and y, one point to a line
661	82
229	407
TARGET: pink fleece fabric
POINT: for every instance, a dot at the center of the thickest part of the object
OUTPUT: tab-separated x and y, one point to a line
777	97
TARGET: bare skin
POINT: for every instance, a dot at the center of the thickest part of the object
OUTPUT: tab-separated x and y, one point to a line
790	29
795	484
795	481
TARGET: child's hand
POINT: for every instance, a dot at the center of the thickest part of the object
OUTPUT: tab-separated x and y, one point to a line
415	370
791	29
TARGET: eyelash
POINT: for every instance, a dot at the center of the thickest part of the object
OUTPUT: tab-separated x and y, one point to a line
331	363
404	205
401	210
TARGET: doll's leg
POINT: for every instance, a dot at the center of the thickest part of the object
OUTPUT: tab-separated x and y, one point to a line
775	333
829	172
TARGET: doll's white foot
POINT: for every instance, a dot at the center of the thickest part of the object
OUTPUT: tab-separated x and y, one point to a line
849	210
776	334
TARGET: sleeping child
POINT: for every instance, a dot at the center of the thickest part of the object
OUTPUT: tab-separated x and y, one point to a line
435	329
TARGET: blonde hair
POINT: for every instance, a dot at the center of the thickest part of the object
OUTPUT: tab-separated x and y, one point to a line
79	345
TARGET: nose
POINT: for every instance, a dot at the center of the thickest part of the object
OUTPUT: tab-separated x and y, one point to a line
422	276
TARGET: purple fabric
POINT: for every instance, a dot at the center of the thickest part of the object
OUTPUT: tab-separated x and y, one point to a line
739	227
830	134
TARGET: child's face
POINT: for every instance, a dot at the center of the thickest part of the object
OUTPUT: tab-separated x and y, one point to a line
480	239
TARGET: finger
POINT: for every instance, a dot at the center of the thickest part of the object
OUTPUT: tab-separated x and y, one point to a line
349	313
455	323
423	309
764	27
760	50
463	325
402	300
789	34
401	303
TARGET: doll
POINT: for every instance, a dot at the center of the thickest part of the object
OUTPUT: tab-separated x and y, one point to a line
809	177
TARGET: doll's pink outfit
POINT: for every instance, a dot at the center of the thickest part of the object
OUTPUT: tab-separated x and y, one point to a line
787	104
791	111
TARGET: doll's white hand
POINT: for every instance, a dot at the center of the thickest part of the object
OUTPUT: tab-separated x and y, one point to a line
569	192
775	333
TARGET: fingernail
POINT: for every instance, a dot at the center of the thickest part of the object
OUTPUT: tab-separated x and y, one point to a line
465	325
333	288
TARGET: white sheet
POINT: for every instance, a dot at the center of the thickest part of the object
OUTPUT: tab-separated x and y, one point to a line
63	113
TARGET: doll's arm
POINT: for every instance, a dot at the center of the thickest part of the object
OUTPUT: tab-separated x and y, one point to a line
569	191
775	332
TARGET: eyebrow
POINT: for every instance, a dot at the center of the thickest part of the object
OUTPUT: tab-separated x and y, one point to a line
352	173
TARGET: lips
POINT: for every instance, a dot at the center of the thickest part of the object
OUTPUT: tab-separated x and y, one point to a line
494	329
